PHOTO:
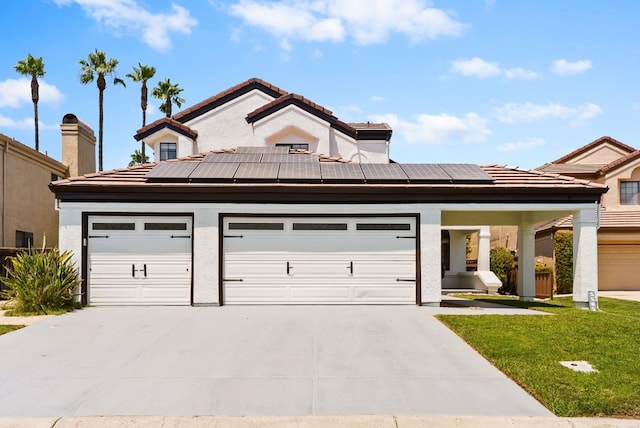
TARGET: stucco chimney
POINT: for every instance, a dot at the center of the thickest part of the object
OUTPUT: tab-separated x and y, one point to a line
78	146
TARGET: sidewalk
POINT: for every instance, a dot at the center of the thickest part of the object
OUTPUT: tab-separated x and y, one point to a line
316	422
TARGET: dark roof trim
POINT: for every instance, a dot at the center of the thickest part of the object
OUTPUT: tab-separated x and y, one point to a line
228	95
165	123
379	132
317	194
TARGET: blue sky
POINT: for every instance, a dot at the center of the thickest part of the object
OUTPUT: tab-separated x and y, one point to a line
511	82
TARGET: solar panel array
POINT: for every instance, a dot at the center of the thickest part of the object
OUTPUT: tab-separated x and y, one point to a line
279	166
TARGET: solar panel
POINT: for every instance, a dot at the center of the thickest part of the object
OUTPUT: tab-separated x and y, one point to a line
232	157
341	171
274	149
172	170
287	158
465	172
299	171
421	172
383	172
257	171
214	171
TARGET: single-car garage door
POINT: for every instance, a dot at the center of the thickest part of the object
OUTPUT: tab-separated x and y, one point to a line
319	260
619	267
142	260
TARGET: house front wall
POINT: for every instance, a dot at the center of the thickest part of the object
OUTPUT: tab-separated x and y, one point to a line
430	218
629	172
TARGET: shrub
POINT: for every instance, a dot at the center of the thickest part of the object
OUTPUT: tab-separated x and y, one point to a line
501	263
563	249
41	281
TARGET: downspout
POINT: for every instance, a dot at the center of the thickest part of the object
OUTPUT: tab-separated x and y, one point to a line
4	191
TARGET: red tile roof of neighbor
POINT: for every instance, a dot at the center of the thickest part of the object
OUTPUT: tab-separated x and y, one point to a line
609	220
593	144
281	100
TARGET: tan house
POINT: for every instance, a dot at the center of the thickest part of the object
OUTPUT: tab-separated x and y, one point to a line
27	207
616	165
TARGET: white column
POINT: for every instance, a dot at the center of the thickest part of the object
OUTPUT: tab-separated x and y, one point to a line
484	244
458	243
430	257
526	262
585	256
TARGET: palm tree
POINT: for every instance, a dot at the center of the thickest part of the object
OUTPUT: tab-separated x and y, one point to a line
97	66
33	67
142	74
137	158
169	93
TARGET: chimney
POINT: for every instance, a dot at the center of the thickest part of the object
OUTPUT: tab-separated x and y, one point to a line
78	146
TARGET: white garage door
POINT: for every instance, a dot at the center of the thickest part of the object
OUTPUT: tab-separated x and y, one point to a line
618	267
139	260
319	260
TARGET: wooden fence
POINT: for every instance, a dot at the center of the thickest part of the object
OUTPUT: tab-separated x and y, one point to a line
544	284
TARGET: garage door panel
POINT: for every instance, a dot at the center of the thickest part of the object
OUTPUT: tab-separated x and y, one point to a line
618	267
139	260
320	266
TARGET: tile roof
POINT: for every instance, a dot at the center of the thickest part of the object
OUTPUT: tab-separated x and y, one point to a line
593	144
609	220
572	168
165	122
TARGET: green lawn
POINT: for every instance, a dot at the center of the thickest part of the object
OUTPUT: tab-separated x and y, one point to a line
9	328
529	350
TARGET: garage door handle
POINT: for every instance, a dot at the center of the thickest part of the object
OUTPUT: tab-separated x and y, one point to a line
233	280
145	270
350	268
98	236
289	267
180	236
405	280
133	271
405	237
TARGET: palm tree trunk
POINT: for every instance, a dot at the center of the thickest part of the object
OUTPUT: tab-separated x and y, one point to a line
35	97
143	105
100	125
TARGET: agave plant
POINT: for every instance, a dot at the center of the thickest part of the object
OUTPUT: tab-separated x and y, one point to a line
41	281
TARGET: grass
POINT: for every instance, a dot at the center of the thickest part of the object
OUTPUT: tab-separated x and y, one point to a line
9	328
529	348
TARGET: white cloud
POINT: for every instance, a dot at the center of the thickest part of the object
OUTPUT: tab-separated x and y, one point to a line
564	67
478	67
7	122
17	92
129	15
528	112
520	73
519	146
377	98
438	129
364	21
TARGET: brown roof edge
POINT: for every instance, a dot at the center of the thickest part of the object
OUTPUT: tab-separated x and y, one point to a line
228	95
591	145
165	122
358	132
619	162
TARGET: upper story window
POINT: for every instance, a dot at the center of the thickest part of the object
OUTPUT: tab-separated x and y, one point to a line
168	151
302	146
629	191
24	239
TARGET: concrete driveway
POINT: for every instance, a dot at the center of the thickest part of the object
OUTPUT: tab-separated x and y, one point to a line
250	360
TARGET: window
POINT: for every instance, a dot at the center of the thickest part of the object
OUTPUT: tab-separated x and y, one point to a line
629	191
24	239
383	226
256	226
295	146
319	226
165	226
113	226
54	177
168	151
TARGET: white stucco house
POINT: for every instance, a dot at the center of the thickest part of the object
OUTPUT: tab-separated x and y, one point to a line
258	196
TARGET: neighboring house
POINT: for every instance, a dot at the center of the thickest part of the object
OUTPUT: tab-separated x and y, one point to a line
273	200
27	207
616	165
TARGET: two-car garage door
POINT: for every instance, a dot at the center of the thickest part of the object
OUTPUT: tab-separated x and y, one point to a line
319	260
147	260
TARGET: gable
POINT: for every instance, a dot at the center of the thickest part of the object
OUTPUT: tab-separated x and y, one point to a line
604	150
